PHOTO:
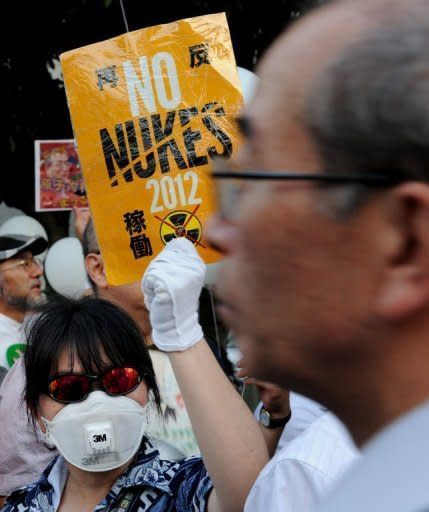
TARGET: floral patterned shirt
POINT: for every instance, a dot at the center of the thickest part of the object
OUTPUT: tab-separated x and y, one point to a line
149	484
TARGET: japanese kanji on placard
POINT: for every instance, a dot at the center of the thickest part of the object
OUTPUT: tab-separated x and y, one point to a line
150	110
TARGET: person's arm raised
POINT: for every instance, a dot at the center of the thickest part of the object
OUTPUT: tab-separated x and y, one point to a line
229	438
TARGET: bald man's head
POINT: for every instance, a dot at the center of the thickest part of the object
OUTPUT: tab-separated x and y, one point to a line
353	75
344	91
368	109
290	68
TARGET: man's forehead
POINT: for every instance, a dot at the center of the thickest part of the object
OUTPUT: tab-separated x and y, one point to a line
292	66
24	254
300	55
18	256
319	38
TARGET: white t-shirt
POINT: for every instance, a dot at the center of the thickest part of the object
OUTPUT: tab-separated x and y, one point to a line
315	449
11	341
393	472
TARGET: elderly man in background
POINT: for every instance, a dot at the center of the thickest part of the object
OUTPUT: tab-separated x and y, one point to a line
326	270
20	290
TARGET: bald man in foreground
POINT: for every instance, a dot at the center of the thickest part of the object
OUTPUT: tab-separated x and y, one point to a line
326	271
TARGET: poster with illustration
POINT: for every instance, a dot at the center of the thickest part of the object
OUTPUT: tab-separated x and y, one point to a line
59	182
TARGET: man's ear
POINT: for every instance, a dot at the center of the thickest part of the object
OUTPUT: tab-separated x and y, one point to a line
95	267
405	285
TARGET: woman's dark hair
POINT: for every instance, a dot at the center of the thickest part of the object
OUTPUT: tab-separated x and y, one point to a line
91	330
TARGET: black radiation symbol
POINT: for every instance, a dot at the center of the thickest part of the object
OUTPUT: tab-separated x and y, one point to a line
181	223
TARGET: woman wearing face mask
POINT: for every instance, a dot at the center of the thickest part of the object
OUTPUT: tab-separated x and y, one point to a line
91	388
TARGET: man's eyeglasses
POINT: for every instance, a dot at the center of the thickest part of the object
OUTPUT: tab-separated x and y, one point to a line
67	388
229	183
27	263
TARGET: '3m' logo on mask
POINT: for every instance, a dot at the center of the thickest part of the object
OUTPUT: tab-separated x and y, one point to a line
99	437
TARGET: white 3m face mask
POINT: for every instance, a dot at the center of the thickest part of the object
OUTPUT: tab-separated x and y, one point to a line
101	433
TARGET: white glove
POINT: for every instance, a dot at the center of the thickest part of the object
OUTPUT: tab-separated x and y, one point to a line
171	287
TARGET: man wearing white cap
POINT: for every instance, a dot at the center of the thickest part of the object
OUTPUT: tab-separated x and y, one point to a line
20	290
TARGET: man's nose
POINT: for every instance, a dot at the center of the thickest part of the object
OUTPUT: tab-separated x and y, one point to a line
36	269
220	234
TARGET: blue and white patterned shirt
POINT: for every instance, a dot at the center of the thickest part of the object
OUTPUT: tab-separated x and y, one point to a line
149	484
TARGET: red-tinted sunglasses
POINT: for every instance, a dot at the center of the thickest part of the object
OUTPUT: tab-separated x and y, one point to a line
75	387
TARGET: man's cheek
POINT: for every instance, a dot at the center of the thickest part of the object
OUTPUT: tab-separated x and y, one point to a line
227	278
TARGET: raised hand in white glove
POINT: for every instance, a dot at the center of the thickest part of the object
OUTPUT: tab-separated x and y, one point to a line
171	287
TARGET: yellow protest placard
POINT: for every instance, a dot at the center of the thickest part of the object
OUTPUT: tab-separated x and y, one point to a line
150	110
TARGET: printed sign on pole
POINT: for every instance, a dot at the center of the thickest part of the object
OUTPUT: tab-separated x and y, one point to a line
150	110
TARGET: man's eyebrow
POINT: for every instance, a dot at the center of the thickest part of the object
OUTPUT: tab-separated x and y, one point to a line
245	126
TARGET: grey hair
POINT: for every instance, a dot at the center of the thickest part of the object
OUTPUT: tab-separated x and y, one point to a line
369	111
89	240
90	245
